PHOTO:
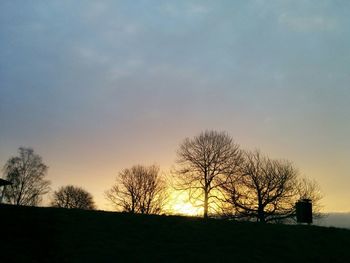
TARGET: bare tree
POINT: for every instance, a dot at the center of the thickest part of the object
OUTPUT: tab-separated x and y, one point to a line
204	165
73	197
310	189
266	189
27	174
139	189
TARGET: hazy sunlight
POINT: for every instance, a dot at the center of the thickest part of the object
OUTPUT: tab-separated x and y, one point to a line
179	204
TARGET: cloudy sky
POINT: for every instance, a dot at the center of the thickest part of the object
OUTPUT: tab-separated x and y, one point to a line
97	86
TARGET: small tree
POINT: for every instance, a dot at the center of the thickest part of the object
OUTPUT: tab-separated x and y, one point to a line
139	189
310	189
27	174
72	197
205	163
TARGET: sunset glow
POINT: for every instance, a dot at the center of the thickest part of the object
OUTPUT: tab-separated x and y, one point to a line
175	131
180	205
186	209
95	87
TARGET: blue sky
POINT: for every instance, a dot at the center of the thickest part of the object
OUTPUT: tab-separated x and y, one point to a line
96	86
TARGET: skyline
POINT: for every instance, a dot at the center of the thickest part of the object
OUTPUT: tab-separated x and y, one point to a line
95	87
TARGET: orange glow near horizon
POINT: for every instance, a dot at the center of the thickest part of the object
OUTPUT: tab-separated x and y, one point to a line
185	209
180	205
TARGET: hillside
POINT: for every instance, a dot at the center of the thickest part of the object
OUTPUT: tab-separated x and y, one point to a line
60	235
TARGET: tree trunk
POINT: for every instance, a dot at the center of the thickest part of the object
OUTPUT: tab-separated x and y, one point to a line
261	214
205	214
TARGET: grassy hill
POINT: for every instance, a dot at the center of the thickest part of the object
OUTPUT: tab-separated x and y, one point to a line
30	234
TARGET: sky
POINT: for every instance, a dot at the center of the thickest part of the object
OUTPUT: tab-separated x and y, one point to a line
98	86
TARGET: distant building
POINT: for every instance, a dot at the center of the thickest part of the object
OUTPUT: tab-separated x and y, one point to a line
3	184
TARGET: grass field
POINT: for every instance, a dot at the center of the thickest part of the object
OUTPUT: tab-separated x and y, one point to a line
30	234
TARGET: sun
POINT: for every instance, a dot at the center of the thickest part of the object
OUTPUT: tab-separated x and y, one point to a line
180	205
185	209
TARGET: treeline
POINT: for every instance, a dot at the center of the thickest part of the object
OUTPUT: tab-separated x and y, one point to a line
212	169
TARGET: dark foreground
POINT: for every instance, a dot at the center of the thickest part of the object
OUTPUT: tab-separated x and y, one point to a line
60	235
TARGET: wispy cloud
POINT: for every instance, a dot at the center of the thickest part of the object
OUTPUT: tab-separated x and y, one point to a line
308	23
91	55
94	10
188	9
197	9
126	69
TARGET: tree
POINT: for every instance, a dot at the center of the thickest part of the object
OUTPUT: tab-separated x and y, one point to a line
73	197
205	163
27	174
266	189
310	189
139	189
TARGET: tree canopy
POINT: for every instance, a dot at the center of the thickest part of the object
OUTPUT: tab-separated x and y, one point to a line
204	163
139	189
27	174
72	197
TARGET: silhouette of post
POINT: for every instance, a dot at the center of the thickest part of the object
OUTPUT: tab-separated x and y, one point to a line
304	211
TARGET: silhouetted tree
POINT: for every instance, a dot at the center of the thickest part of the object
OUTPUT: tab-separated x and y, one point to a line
27	173
266	189
139	189
205	162
310	189
72	197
